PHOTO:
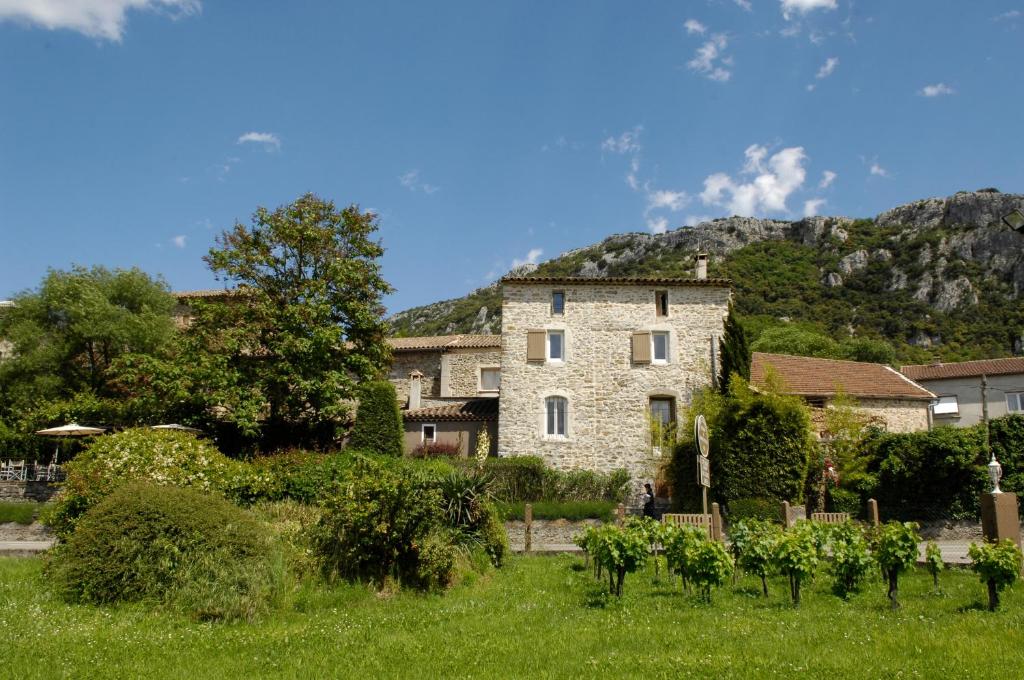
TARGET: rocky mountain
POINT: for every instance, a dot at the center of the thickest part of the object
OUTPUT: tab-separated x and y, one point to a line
937	278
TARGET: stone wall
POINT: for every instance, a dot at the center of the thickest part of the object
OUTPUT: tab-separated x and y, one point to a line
546	535
608	395
462	367
427	362
899	415
27	491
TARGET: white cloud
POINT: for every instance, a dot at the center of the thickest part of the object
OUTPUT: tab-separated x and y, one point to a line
1008	16
634	170
627	142
813	206
936	90
657	225
745	4
709	60
694	220
269	140
672	200
531	258
767	192
789	7
693	26
878	170
103	19
179	241
827	68
827	178
411	181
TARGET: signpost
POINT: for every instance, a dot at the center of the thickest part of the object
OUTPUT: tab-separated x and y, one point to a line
700	435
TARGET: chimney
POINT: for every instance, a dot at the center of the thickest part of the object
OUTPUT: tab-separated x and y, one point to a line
702	266
415	389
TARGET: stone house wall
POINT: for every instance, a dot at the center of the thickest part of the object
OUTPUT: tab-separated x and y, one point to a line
427	362
462	367
464	433
608	395
899	415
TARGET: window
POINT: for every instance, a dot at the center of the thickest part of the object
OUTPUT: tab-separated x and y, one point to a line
661	302
663	411
1015	402
555	408
556	346
558	303
659	347
947	406
490	379
428	434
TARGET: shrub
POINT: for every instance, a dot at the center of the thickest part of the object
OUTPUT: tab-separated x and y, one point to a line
757	555
374	529
527	479
933	560
378	425
177	546
896	551
573	511
621	551
681	543
997	565
297	475
851	559
710	565
796	556
160	457
765	509
493	536
436	449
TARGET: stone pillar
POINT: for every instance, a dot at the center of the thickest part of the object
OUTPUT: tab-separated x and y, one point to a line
702	266
620	515
415	390
873	512
999	517
787	516
716	523
528	520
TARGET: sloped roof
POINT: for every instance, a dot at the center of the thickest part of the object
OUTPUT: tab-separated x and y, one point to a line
812	377
617	281
964	369
435	342
472	410
206	293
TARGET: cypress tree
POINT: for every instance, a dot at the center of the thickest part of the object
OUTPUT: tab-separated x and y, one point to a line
378	427
735	352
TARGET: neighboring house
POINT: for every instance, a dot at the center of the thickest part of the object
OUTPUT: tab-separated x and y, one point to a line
455	424
888	398
6	348
588	365
958	388
182	312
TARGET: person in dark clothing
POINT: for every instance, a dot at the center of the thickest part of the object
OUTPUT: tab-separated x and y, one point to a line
648	501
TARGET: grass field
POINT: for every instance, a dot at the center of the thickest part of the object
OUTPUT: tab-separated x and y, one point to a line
22	513
538	618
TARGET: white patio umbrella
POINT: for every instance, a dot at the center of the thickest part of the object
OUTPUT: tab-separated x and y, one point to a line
178	428
69	430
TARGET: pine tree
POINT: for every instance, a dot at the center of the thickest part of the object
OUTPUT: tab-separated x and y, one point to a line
378	427
735	352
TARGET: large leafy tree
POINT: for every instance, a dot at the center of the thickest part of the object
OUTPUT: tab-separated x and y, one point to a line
67	336
283	356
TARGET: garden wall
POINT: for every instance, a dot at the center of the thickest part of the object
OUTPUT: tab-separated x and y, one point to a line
27	491
548	535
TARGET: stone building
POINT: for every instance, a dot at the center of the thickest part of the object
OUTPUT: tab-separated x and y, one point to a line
590	368
959	391
888	399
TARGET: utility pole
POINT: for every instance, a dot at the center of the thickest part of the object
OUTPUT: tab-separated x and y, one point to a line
984	412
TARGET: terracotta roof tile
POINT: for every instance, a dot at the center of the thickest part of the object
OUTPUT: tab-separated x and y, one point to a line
207	293
618	281
812	377
436	342
474	409
964	369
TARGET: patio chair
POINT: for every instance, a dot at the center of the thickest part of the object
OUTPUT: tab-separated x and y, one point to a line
18	471
5	471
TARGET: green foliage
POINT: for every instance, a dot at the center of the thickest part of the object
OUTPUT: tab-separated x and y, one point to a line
754	508
895	552
933	560
68	334
177	546
792	339
18	512
709	566
851	560
997	565
735	352
527	479
796	557
378	426
681	543
160	457
757	545
621	551
573	511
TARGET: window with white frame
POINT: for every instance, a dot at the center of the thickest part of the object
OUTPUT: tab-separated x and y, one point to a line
556	345
1015	402
428	433
556	415
659	347
946	406
490	379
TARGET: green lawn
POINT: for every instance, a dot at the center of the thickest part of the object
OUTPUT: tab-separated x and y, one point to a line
22	513
537	618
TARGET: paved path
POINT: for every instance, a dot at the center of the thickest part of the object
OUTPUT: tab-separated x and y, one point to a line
23	548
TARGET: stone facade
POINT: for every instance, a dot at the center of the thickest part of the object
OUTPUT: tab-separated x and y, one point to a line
608	395
446	373
899	415
426	362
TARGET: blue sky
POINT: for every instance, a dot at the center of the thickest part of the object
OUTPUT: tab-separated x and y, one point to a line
484	134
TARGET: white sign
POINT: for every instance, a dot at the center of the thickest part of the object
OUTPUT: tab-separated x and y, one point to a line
700	427
704	467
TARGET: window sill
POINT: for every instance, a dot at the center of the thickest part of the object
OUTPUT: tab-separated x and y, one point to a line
557	438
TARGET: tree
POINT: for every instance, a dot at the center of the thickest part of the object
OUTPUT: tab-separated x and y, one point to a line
68	334
735	352
282	358
793	339
378	426
997	565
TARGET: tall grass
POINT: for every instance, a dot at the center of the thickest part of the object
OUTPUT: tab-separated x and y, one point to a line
19	512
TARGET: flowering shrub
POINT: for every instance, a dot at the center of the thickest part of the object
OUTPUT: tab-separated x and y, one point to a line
164	458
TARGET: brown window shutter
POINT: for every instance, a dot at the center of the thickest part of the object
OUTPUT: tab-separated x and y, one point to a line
535	350
641	347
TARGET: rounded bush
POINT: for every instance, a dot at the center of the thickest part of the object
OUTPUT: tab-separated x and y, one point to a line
171	545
